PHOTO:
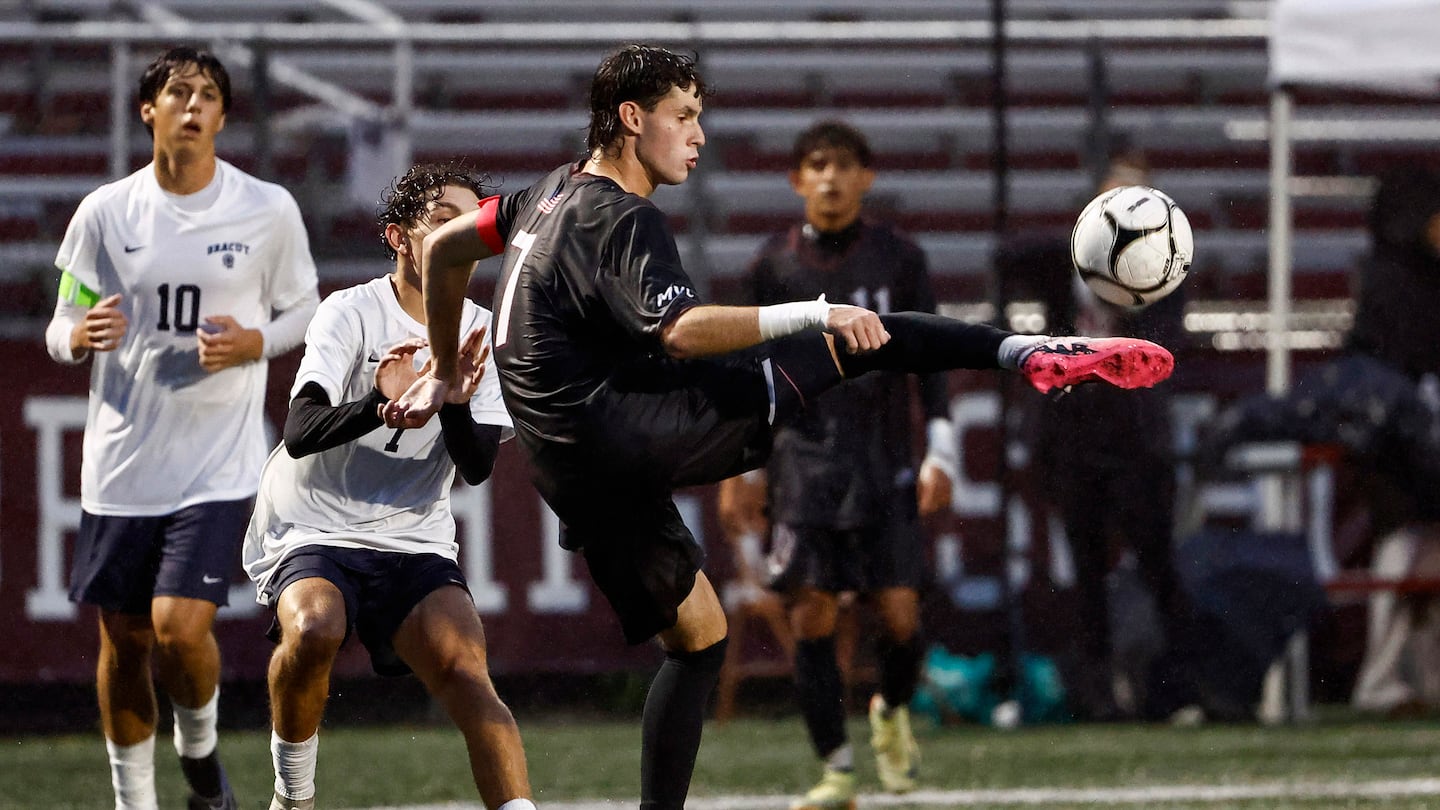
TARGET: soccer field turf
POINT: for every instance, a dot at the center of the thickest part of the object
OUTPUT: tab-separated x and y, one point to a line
757	763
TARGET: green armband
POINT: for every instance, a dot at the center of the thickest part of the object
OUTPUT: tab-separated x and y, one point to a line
72	290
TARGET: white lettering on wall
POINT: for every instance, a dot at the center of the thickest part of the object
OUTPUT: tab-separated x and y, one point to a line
974	411
558	591
471	506
52	418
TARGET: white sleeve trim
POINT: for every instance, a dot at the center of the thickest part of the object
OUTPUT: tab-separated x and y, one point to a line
62	325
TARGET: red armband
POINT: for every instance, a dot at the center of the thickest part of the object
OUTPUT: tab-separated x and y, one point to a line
485	225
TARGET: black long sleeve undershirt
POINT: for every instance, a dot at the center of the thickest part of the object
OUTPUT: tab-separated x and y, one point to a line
472	446
313	425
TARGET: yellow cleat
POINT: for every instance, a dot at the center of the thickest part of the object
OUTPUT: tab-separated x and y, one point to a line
836	791
897	756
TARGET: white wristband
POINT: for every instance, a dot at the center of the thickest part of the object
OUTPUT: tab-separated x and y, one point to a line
779	320
941	449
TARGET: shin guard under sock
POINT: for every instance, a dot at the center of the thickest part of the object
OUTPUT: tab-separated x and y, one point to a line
670	728
821	693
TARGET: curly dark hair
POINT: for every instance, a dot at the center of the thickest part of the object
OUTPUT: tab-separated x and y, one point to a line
403	203
643	74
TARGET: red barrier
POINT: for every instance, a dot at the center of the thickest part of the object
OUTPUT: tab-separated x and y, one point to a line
541	612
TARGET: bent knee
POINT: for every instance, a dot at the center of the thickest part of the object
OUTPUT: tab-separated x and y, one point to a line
313	632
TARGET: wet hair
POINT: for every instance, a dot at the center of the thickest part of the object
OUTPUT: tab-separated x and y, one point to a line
643	74
830	135
175	61
404	202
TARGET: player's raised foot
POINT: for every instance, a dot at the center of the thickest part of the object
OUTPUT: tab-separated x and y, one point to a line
835	791
281	803
897	755
1122	362
215	772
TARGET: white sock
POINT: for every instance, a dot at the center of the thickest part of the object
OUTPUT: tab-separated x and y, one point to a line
295	766
132	773
517	804
1015	348
195	734
841	759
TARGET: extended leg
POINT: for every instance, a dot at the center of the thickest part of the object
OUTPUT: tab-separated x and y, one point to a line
126	696
896	752
821	693
311	613
922	343
675	708
188	664
444	643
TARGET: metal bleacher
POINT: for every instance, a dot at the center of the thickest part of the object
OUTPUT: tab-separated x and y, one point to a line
514	103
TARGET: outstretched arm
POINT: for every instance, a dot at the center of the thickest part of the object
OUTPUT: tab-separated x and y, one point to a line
314	425
471	445
447	257
710	329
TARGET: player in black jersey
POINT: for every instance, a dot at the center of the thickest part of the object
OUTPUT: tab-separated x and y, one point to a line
844	493
624	387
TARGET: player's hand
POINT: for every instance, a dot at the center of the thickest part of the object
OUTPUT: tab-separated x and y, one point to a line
396	372
858	327
103	326
933	490
474	357
420	402
223	343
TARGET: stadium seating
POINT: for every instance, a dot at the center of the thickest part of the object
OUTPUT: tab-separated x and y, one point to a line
515	109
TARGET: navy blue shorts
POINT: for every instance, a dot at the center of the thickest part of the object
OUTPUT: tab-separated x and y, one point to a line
121	563
380	589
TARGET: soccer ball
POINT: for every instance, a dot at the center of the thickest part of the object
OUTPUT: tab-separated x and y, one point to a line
1132	245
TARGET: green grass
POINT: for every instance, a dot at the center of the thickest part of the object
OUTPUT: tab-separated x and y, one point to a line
574	759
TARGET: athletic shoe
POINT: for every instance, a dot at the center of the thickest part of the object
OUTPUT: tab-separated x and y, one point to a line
836	791
897	756
226	799
1122	362
281	803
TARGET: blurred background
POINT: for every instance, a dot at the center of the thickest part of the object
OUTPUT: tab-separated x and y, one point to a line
985	136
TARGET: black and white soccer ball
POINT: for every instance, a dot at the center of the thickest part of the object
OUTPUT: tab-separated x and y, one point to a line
1132	245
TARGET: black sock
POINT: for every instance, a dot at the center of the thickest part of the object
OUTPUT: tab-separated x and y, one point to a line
921	343
899	669
203	775
821	693
670	728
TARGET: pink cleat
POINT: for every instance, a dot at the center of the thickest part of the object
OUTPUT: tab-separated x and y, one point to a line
1123	362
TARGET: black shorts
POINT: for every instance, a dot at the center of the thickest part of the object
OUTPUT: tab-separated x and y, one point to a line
612	490
380	589
122	563
865	559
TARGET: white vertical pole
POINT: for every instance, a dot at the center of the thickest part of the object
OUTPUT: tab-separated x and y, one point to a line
1280	492
120	111
1277	369
404	95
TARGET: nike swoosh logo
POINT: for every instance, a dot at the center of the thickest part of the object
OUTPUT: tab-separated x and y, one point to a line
133	248
209	580
373	358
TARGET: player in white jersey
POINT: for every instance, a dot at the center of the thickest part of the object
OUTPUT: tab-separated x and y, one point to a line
180	281
352	525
